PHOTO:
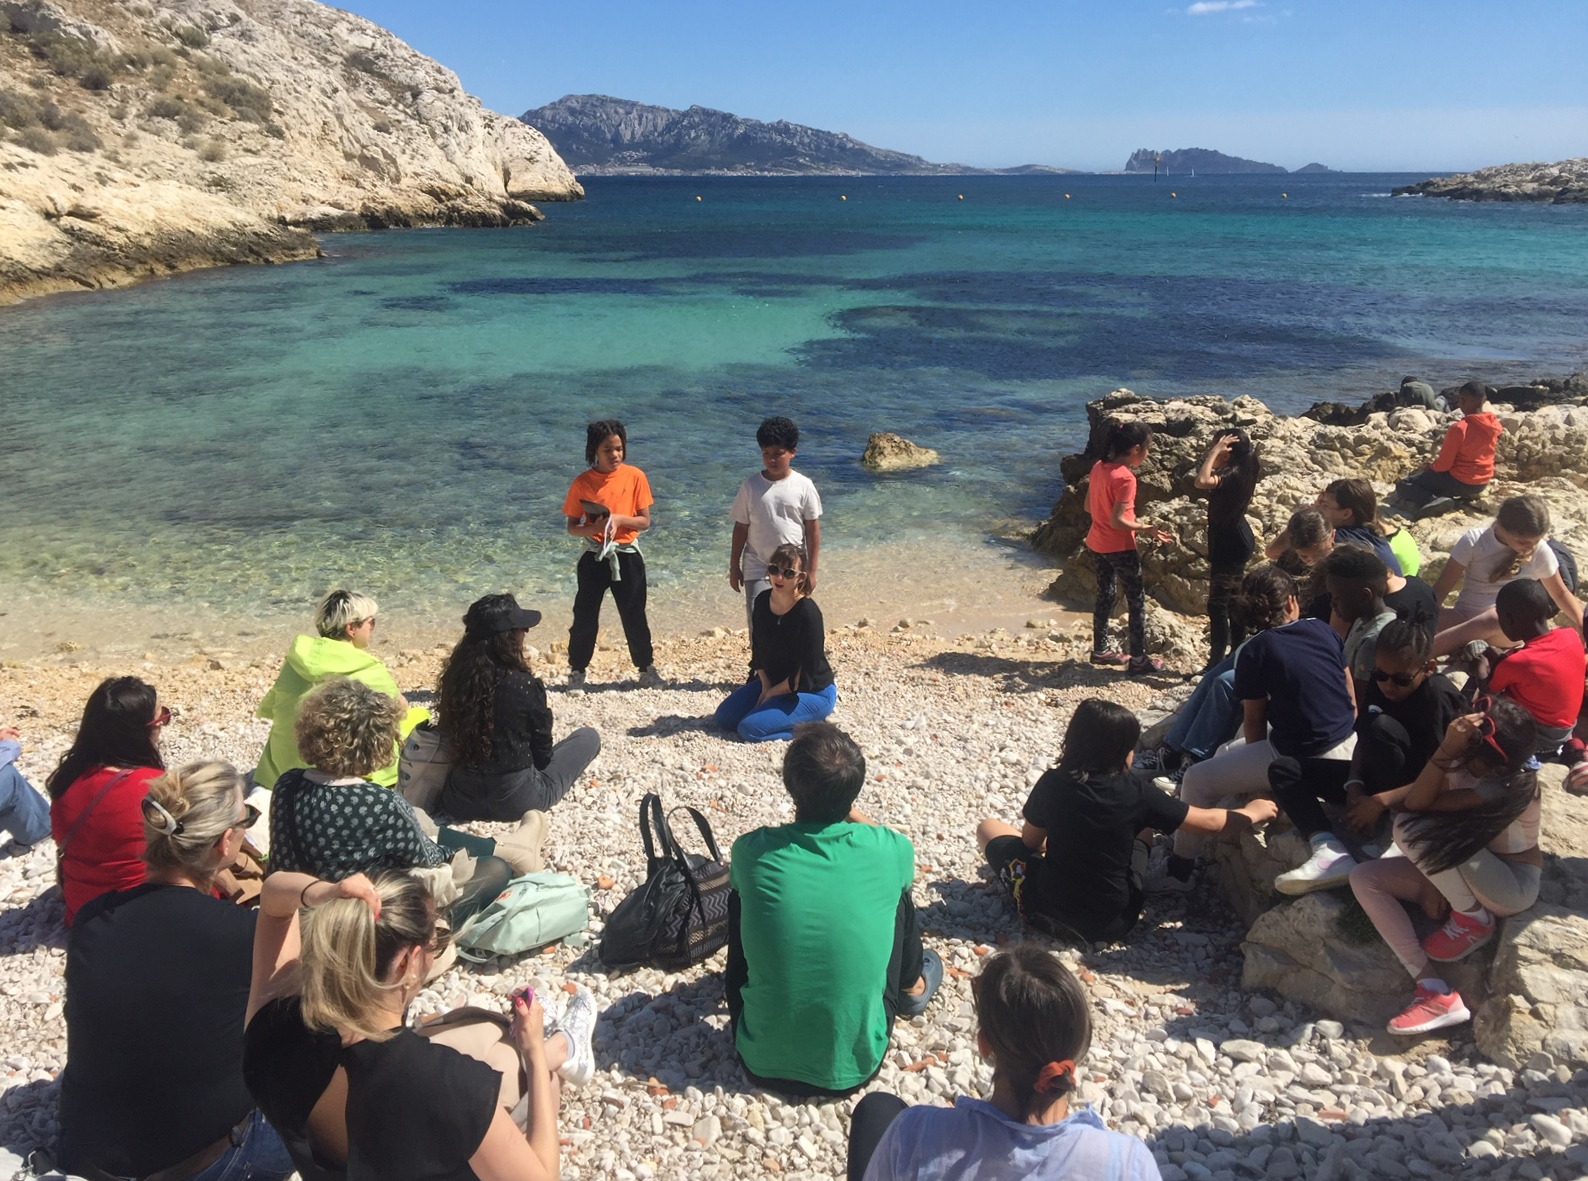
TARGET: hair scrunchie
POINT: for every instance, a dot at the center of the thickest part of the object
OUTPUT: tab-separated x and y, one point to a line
1054	1076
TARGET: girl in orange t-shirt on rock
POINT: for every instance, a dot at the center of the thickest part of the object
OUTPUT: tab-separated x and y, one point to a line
609	505
1111	500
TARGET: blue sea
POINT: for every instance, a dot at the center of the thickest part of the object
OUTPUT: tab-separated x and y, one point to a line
405	414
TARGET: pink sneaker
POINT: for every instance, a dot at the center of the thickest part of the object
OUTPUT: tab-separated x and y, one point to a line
1458	938
1430	1011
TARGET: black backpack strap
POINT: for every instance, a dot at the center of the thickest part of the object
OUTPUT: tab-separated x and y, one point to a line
705	831
660	847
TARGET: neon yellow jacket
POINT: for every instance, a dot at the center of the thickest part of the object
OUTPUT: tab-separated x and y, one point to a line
310	660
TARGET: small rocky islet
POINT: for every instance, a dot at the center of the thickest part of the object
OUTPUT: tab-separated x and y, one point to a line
1238	1037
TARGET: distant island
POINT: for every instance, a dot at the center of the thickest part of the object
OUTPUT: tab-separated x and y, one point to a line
1562	183
603	136
1178	163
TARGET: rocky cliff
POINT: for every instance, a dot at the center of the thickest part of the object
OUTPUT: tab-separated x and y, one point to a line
144	138
603	136
1564	183
1203	160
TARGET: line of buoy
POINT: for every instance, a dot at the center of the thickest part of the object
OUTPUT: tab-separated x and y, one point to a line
1284	194
1174	194
962	196
697	198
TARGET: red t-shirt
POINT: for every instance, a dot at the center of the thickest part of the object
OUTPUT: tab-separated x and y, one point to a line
625	491
106	852
1110	484
1545	677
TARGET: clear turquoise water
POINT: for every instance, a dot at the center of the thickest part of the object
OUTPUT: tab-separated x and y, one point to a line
406	414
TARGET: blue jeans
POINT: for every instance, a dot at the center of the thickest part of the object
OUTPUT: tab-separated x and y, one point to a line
24	813
778	717
1209	718
260	1156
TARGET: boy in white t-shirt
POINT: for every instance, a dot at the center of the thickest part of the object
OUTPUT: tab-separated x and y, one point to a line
776	506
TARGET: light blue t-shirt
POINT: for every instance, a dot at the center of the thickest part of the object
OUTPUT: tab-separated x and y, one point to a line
974	1141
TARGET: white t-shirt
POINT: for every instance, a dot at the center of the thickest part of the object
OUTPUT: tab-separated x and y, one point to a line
776	512
1478	551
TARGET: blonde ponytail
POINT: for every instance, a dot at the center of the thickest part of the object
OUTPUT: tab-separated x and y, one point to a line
347	954
186	812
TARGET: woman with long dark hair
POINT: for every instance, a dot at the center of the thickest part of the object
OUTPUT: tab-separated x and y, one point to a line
97	790
1228	475
1466	844
496	723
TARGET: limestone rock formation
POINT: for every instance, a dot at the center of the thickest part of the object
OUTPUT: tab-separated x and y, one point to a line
155	136
887	452
1545	451
1203	160
1562	183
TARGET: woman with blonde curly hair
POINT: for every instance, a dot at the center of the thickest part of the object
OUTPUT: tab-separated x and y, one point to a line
332	821
157	981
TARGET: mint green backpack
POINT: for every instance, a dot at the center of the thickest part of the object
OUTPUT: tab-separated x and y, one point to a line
530	912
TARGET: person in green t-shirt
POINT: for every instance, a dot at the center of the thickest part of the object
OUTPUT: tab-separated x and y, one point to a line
824	950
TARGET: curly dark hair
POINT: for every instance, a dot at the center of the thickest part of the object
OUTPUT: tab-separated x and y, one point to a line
599	432
466	692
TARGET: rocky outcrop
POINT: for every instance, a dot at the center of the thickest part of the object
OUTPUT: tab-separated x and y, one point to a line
1203	160
145	138
1528	991
604	136
1562	183
1546	450
887	452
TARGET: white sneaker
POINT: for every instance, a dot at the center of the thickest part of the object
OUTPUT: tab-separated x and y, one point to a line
575	678
1329	866
651	678
577	1024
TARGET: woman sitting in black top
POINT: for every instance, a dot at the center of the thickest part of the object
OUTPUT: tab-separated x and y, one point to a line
1079	865
156	988
358	1095
1229	476
497	724
793	683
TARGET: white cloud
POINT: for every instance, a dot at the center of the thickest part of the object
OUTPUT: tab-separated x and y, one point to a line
1203	7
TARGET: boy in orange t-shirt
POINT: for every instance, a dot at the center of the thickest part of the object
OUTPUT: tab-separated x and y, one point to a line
609	505
1465	463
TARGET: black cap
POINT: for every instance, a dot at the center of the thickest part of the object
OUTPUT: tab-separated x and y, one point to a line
498	613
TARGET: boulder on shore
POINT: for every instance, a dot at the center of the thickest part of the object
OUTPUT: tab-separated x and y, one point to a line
887	452
1543	451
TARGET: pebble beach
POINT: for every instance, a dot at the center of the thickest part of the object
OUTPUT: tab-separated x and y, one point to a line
1220	1084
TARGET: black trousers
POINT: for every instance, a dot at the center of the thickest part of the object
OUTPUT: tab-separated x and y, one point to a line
1299	786
1387	756
1431	485
904	969
1112	569
595	579
873	1114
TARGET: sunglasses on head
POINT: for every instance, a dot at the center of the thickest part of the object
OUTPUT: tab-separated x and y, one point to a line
783	571
1486	728
1401	679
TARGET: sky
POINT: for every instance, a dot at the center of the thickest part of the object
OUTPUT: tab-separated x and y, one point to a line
1359	85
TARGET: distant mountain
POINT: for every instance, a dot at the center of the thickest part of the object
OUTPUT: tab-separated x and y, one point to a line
1178	163
1313	168
603	136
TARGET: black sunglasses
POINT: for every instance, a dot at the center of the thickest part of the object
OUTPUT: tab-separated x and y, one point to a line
783	571
1401	679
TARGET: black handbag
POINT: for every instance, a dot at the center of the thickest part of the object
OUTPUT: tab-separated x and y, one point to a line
679	915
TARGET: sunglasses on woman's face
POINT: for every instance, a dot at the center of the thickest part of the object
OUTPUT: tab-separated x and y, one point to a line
161	718
250	818
1401	679
783	571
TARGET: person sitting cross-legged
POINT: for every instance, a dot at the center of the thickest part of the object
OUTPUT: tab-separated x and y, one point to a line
824	950
1079	864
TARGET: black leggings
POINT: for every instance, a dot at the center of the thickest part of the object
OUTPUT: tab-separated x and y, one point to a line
1299	785
1428	486
1226	628
873	1115
1123	566
628	592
